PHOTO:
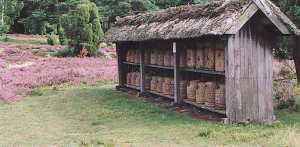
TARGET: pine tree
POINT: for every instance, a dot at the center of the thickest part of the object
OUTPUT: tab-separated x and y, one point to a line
82	27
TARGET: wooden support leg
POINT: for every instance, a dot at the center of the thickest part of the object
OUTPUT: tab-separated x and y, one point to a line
142	70
177	98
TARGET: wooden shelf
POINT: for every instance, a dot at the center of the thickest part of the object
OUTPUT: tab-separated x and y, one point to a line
131	63
132	87
205	71
160	66
161	95
205	107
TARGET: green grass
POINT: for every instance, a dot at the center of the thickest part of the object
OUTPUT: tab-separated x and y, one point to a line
101	116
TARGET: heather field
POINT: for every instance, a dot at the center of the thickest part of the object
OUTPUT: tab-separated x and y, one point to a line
25	66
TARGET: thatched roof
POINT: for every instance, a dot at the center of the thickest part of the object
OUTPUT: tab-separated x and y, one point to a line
217	18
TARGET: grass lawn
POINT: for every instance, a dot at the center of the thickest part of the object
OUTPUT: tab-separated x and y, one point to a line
101	116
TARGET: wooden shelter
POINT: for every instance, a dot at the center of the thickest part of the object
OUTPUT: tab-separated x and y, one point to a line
218	56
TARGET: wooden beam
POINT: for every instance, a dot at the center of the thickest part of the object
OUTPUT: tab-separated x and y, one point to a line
266	9
142	67
246	16
120	54
177	98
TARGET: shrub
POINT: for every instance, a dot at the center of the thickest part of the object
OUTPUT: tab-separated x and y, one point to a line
62	37
52	39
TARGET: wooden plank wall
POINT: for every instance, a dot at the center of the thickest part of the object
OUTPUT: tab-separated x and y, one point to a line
249	75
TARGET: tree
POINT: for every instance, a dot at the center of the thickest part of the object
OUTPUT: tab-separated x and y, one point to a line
9	11
292	9
82	27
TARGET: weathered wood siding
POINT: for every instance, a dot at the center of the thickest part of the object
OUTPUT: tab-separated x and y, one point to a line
249	75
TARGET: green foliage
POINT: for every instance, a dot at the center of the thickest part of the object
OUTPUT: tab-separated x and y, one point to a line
283	50
62	36
82	27
52	39
9	11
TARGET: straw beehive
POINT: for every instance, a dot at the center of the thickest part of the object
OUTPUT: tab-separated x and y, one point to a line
191	58
220	60
209	94
172	88
138	79
200	93
153	83
159	84
132	55
153	57
183	88
167	86
128	78
200	56
167	58
191	90
183	60
172	59
147	57
148	82
160	57
209	54
220	96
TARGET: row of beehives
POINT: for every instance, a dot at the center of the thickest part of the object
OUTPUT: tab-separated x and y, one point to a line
207	58
210	94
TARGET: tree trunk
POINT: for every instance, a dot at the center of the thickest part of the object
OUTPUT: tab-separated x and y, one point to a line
296	56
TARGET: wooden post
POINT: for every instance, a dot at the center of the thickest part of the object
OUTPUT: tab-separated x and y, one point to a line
177	98
142	68
120	65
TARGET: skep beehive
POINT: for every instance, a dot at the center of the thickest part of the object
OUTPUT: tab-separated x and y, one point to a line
209	94
200	95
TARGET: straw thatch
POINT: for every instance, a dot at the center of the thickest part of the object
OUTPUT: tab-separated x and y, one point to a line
190	21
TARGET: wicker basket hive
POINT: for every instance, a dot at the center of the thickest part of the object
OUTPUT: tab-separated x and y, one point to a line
172	88
127	58
159	84
166	88
220	60
132	78
128	78
167	58
200	58
148	82
209	94
132	56
147	57
183	89
191	90
153	83
160	57
200	97
220	96
137	56
153	57
137	79
191	58
183	60
171	59
209	54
